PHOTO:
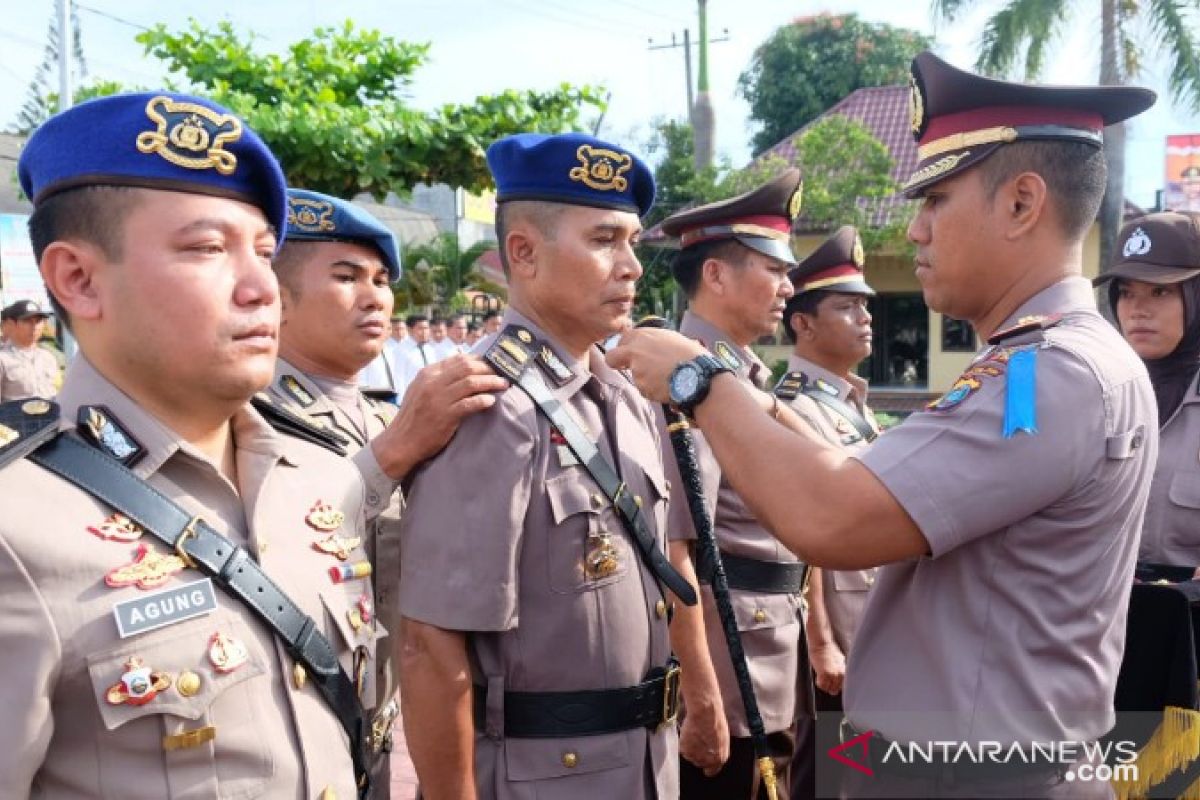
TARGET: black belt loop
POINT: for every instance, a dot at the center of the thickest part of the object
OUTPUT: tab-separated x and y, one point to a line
232	569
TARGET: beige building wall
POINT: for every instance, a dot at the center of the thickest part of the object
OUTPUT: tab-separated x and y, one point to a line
893	274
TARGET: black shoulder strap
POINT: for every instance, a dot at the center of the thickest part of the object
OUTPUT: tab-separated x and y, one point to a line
511	355
844	409
289	423
24	426
231	567
796	383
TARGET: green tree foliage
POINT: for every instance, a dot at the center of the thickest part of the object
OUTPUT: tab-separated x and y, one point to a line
437	272
332	107
1019	32
806	67
847	175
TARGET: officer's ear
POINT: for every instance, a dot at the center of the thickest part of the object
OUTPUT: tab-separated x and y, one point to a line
802	325
714	274
70	269
520	247
1023	200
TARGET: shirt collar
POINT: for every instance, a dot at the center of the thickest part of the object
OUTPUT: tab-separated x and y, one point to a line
84	385
1069	294
709	335
846	385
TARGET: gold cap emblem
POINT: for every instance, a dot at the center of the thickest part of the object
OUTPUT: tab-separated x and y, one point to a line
310	216
602	169
190	135
859	256
916	107
796	201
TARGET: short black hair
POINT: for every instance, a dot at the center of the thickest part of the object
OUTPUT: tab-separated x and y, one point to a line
413	319
93	214
803	303
291	257
688	263
492	315
542	213
1075	173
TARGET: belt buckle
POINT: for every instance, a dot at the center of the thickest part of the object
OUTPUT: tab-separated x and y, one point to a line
381	727
670	709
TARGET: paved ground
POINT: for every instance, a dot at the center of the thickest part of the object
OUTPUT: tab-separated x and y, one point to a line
404	778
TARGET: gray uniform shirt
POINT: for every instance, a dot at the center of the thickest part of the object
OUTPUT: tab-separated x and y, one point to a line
844	591
1171	534
1012	629
506	562
770	624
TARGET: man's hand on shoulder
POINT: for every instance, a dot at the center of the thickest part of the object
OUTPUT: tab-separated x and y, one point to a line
440	397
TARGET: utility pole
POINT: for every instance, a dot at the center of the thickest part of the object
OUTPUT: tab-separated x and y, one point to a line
704	125
64	54
686	46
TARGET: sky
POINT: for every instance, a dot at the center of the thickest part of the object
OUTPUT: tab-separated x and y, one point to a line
485	46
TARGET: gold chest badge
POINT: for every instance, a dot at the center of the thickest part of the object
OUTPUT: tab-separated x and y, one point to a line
147	570
324	517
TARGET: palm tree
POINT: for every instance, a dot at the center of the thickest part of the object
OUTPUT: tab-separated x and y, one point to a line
435	272
1020	30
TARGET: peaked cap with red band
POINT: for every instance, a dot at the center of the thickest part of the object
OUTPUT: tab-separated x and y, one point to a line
959	118
835	266
760	219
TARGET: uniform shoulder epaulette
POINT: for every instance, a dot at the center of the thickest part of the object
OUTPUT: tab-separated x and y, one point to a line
1020	333
24	426
790	385
290	423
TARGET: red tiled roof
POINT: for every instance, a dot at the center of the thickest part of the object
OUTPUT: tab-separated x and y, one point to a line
883	110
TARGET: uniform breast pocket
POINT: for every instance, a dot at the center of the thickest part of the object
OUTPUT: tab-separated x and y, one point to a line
194	692
1185	490
586	547
855	580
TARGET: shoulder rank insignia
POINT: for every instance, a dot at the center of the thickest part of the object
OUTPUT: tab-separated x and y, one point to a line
1025	325
291	423
554	365
727	355
102	430
512	352
292	388
826	387
790	385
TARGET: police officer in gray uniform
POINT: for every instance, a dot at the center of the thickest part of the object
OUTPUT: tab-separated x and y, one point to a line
1007	514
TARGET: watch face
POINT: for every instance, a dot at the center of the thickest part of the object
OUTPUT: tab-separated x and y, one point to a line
684	383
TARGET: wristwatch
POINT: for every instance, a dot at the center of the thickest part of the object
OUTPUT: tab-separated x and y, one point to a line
690	381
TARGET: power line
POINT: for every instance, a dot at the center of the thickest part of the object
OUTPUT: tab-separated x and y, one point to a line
674	20
98	12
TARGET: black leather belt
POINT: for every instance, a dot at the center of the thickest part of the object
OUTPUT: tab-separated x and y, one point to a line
547	715
752	575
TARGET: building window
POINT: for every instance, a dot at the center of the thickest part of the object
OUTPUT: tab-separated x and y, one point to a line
900	349
957	336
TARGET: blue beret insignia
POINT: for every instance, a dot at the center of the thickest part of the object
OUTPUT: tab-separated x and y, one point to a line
316	217
571	168
191	135
601	168
310	216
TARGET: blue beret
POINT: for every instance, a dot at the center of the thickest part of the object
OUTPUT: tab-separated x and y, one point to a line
316	217
570	168
156	140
